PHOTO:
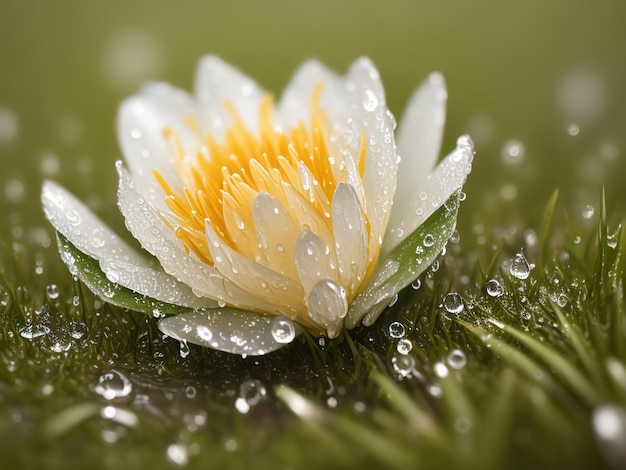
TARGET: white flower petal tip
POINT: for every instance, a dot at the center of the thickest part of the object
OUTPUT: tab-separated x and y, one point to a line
432	192
261	217
232	331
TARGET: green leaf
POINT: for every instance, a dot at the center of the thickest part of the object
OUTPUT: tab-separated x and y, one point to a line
88	271
546	222
405	263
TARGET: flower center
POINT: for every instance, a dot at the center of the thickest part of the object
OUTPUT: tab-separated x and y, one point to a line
261	190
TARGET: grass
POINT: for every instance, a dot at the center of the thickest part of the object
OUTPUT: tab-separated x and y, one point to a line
513	376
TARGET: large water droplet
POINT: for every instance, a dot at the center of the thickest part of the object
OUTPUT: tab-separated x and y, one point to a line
404	346
520	267
494	288
456	359
396	330
283	330
112	385
403	365
453	303
34	331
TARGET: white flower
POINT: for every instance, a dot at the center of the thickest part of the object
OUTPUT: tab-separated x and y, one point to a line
260	214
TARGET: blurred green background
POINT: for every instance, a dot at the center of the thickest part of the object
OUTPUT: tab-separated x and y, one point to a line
538	85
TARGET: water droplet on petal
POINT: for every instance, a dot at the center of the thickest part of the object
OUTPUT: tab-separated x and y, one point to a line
370	103
283	330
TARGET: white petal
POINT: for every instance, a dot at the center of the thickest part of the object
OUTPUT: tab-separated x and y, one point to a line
83	228
232	331
254	278
277	233
218	82
328	305
379	182
155	237
295	102
315	260
141	121
419	139
351	239
306	215
436	189
121	264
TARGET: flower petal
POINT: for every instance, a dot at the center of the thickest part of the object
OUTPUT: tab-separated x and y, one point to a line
381	167
405	263
351	239
295	102
315	260
89	272
218	83
142	119
277	233
419	139
159	240
230	330
436	189
121	263
257	280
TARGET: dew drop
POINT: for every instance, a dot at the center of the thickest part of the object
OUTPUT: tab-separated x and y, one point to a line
403	365
520	267
252	391
283	330
456	359
404	346
112	385
370	103
396	330
34	331
52	292
588	212
135	133
453	303
429	240
441	370
494	288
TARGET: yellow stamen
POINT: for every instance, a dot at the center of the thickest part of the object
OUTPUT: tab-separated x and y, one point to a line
222	181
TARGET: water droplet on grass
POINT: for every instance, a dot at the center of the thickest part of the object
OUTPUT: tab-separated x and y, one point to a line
404	346
34	331
396	330
453	303
112	385
494	288
456	359
520	267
